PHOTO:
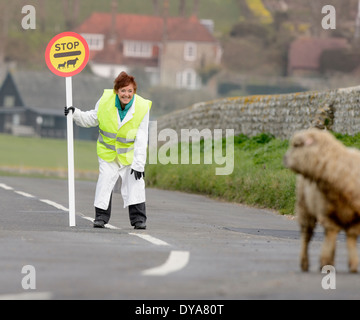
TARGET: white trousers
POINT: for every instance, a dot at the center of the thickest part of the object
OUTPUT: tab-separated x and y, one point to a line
132	190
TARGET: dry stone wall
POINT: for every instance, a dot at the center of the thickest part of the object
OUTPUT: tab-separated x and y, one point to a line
280	115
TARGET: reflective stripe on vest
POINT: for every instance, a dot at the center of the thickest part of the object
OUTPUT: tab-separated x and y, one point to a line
115	142
111	147
113	136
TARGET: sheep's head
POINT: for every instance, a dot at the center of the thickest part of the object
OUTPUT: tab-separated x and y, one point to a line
307	149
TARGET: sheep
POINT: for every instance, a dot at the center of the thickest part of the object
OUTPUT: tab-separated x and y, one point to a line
327	192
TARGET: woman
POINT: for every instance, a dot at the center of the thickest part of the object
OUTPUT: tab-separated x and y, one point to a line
123	120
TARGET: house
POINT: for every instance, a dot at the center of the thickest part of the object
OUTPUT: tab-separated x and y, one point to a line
169	50
305	53
12	111
32	103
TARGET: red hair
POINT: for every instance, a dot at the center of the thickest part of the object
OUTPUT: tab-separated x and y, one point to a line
123	80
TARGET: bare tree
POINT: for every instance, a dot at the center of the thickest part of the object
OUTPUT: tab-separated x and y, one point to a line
4	24
71	9
244	9
315	16
156	7
182	5
196	7
41	14
10	11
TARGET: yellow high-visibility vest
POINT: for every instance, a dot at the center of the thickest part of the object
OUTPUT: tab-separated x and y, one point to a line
114	142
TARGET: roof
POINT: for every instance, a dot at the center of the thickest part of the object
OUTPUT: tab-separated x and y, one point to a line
8	88
305	53
147	28
45	92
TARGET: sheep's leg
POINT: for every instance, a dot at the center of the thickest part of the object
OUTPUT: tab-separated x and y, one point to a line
307	231
328	248
353	256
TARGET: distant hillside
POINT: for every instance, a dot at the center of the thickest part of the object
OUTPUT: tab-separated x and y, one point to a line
259	29
225	12
26	47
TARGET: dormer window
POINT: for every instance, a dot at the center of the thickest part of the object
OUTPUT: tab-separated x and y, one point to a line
9	101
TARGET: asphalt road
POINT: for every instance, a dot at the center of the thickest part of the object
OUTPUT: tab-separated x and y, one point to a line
194	248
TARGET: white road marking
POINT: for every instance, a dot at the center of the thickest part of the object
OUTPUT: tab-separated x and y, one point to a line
28	195
54	204
109	226
4	186
87	218
151	239
176	261
27	296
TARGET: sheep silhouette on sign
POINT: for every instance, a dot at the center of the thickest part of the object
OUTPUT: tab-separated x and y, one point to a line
72	62
61	65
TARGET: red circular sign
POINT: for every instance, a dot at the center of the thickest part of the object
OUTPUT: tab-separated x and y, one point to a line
67	54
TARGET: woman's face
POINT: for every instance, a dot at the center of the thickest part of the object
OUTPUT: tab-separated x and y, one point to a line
125	94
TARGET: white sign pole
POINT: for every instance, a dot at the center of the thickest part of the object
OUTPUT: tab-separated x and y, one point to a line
70	145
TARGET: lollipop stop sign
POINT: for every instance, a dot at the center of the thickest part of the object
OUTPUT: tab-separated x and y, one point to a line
67	55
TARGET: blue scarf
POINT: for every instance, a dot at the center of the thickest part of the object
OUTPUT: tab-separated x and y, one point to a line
122	113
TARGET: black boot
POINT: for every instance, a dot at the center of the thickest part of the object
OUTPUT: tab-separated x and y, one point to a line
137	214
102	216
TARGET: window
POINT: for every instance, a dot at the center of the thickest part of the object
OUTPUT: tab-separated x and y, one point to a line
137	49
94	41
48	121
16	119
186	79
190	51
9	101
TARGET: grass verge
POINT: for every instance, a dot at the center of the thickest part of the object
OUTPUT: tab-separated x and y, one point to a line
46	157
259	178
